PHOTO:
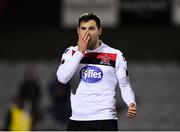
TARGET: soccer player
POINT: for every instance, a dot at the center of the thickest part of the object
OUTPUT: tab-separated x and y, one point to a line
94	69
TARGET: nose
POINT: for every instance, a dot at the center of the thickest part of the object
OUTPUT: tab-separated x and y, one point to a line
88	32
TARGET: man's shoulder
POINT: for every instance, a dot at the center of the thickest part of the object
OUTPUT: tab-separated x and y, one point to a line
69	49
72	48
110	49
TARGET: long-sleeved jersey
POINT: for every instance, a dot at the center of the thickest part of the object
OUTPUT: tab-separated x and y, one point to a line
93	76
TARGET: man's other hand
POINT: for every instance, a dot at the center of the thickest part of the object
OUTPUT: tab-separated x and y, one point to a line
132	110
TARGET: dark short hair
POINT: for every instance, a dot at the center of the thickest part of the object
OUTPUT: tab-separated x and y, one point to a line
90	16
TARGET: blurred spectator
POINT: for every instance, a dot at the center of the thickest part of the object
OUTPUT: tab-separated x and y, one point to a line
23	112
60	95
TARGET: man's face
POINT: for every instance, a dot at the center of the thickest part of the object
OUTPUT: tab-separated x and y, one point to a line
93	30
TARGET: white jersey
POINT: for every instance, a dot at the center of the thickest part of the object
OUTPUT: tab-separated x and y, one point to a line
93	76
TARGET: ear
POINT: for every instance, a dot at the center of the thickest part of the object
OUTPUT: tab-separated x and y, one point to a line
78	30
100	31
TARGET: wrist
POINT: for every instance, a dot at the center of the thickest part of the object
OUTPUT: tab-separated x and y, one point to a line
132	104
82	51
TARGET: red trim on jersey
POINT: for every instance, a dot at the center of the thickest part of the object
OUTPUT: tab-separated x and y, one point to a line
98	55
73	52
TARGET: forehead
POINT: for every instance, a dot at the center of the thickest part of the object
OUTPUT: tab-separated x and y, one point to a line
89	23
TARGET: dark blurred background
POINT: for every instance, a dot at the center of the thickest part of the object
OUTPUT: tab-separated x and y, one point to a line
36	32
144	29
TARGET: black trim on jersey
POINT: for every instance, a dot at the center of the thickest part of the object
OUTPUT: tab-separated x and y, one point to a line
96	61
127	74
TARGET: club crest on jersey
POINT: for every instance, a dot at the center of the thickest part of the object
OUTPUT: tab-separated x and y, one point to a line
105	60
91	74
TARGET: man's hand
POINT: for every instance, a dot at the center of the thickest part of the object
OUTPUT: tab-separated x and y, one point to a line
132	110
83	42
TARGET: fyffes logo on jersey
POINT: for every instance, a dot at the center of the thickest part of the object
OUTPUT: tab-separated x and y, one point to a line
91	74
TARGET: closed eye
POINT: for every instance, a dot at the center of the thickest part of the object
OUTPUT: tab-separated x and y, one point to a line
91	28
83	28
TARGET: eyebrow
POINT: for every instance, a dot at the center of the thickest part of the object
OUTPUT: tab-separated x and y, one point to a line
88	27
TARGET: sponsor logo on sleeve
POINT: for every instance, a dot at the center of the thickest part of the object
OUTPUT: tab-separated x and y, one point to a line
91	74
124	57
62	61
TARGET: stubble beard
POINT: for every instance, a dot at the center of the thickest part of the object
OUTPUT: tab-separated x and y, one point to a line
92	44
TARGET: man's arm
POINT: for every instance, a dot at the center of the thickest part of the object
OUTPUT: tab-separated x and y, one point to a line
127	92
71	59
69	63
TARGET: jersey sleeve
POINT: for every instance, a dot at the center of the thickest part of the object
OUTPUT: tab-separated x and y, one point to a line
127	92
69	63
